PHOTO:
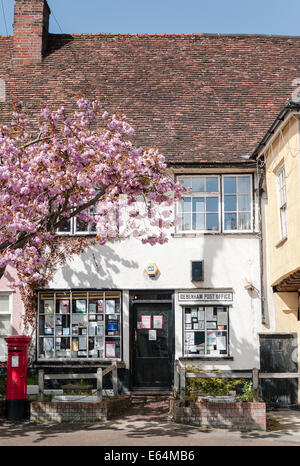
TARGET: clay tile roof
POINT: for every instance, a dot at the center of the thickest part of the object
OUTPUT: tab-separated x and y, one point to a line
200	98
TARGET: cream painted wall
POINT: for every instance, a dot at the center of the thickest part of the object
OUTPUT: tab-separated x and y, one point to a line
284	257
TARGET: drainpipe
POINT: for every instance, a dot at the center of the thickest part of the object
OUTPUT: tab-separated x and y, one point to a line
262	291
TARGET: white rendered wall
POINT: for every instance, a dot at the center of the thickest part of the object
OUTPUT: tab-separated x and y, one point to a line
227	259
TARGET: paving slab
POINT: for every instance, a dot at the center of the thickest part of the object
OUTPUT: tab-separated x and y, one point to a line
142	425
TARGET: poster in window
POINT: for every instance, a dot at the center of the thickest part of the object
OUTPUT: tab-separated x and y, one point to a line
201	314
152	335
146	321
80	306
48	306
113	326
158	322
110	349
48	344
110	306
194	313
210	313
64	306
201	325
100	306
188	318
100	330
82	343
211	325
222	318
221	342
92	308
211	338
75	344
49	326
189	338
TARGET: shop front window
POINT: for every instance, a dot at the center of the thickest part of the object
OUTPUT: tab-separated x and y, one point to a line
79	325
205	331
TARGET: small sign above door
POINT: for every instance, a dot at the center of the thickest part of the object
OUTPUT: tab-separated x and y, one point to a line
205	296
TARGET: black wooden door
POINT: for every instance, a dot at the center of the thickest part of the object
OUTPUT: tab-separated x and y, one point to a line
278	353
153	335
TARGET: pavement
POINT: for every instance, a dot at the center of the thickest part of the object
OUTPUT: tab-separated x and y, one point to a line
150	426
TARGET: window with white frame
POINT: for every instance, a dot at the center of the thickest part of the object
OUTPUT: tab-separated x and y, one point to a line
200	208
281	186
5	323
77	226
205	331
237	203
216	203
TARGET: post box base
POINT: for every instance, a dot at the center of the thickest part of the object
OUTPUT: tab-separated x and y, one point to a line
16	410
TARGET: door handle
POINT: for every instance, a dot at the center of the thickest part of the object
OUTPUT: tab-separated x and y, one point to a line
135	336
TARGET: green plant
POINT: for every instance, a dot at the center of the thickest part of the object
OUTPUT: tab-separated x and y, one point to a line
247	393
211	386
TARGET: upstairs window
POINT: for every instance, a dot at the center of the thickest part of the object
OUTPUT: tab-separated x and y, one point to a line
216	203
5	323
200	209
237	203
77	226
281	186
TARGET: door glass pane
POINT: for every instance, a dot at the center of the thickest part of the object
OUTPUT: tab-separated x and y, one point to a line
230	203
230	184
152	342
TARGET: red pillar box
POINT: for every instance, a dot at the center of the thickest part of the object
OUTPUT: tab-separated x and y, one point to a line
16	381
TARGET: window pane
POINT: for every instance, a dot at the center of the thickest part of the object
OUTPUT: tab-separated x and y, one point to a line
212	204
4	325
198	204
185	205
186	223
244	203
81	225
198	184
212	184
244	221
244	184
230	221
185	182
283	222
65	227
4	304
212	221
230	203
230	184
198	222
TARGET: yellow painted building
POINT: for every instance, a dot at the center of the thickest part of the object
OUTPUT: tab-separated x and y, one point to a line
278	159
